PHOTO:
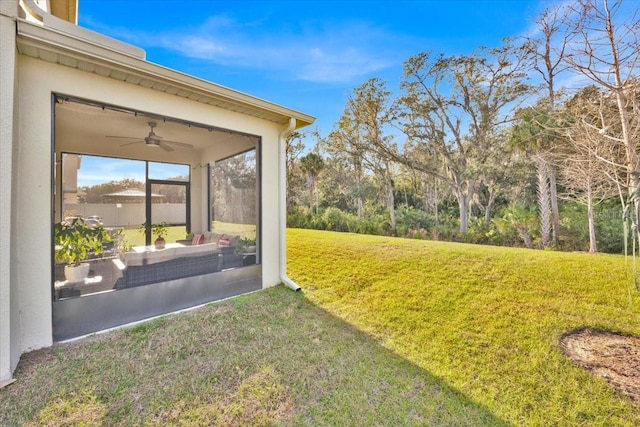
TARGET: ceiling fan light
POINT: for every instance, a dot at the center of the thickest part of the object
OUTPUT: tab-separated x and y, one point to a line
151	142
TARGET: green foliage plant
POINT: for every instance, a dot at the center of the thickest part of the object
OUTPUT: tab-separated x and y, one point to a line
246	244
75	240
520	219
159	230
337	220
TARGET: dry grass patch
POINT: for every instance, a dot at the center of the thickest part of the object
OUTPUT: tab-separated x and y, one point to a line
72	409
611	356
259	400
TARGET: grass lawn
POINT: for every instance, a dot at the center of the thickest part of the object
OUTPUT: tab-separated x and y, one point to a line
268	358
485	320
387	332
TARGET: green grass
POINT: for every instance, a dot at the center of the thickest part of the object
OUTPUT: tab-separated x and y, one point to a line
387	332
136	238
487	320
268	358
247	231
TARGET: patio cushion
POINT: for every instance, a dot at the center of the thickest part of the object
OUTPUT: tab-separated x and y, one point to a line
232	238
197	239
214	237
157	256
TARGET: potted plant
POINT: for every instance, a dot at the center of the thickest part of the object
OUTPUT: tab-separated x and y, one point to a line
246	245
121	244
160	230
74	242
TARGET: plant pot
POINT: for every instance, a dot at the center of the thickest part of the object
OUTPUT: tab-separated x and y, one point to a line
160	242
77	274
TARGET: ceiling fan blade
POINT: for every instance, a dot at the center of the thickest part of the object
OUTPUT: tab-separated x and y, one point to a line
123	137
179	144
164	146
134	142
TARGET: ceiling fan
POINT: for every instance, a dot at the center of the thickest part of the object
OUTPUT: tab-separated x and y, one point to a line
153	140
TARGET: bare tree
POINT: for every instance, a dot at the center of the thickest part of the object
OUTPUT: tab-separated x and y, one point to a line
584	176
606	50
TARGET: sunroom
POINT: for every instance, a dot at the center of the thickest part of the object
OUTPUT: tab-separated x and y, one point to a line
136	174
97	134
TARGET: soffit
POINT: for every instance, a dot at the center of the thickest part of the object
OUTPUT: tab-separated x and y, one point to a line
62	48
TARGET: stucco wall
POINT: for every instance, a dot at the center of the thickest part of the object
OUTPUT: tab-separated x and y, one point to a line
38	80
9	346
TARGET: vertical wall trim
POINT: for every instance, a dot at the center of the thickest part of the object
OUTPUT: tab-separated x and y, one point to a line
9	331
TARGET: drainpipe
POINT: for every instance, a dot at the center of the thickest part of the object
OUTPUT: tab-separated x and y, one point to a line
282	198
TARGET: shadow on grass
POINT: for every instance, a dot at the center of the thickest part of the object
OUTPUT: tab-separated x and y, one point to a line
269	358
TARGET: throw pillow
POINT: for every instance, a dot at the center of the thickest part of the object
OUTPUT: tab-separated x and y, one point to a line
197	239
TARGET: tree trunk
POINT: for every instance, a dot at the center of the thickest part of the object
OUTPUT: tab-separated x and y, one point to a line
311	187
392	206
493	195
426	205
634	195
525	235
544	202
555	213
436	212
593	248
464	204
358	196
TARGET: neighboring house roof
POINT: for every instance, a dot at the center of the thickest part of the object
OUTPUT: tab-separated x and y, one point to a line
63	43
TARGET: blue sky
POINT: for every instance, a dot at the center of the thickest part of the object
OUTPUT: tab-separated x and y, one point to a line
306	55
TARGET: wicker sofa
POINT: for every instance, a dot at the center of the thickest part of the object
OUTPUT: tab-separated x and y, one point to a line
146	267
226	244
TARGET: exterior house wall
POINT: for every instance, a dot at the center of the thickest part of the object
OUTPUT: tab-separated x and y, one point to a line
26	158
9	327
39	79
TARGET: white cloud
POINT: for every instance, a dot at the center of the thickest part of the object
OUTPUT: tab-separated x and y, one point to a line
331	53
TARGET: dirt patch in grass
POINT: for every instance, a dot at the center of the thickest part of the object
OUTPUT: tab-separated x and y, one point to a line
614	357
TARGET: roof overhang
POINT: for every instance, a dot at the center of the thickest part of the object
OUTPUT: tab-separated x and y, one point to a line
62	43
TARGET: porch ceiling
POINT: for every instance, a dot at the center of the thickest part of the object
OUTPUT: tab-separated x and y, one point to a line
91	124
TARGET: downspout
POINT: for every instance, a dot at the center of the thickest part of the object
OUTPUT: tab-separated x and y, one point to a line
282	198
